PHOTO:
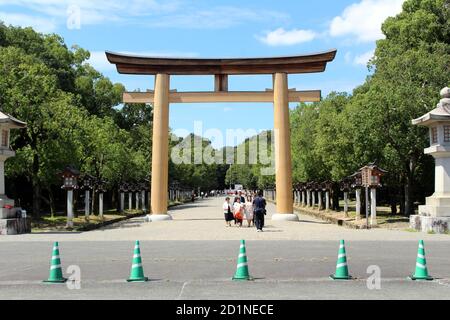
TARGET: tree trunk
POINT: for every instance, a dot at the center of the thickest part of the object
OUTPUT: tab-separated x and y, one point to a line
94	202
36	188
402	200
113	203
409	188
393	199
409	201
51	199
335	197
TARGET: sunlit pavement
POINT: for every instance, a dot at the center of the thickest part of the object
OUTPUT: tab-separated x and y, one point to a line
203	220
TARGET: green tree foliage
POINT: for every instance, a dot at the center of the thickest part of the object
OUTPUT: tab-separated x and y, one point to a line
70	112
335	137
341	133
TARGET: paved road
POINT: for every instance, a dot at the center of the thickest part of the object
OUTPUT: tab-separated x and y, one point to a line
194	257
202	270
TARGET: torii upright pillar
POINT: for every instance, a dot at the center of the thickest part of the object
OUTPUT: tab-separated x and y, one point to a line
160	152
283	161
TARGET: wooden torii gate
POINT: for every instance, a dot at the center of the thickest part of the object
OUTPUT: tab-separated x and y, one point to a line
280	96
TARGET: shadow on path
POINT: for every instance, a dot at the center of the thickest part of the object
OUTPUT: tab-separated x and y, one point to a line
187	206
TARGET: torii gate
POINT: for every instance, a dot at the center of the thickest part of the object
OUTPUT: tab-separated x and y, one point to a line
162	96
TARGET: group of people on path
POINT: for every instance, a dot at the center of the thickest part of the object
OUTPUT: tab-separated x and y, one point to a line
249	206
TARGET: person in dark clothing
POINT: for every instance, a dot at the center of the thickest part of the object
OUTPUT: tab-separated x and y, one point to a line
259	205
241	197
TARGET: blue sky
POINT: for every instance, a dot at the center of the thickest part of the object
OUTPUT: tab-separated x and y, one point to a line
200	28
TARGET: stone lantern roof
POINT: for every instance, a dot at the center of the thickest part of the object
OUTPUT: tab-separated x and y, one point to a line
441	113
11	121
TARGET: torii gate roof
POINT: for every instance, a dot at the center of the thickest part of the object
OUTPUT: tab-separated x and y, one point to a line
133	64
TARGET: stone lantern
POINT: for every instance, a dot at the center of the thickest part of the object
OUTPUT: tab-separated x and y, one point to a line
70	182
176	185
345	187
123	188
371	179
320	187
309	187
144	186
357	185
100	188
172	191
435	214
87	185
314	188
135	188
130	196
11	220
302	188
296	193
327	187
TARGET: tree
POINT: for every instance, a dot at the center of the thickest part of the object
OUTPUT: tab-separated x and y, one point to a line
45	84
29	91
411	66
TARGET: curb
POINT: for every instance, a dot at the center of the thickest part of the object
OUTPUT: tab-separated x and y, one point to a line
91	227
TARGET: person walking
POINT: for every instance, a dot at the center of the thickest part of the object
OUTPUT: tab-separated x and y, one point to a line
242	198
259	205
238	211
227	212
249	211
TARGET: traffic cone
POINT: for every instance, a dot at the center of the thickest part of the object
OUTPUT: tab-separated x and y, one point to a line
341	265
137	272
421	265
55	267
242	265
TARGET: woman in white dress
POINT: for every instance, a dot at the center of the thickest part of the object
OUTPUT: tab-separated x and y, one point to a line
249	211
228	213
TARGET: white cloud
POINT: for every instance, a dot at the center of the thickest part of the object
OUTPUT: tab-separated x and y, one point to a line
43	25
348	57
99	62
363	20
364	58
153	13
281	37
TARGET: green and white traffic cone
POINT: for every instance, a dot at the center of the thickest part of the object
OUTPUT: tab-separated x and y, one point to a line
242	273
421	265
56	275
341	265
137	272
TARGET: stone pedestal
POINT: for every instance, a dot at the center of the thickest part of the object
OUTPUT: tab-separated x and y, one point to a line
429	224
11	221
434	216
15	226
